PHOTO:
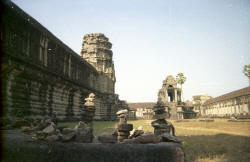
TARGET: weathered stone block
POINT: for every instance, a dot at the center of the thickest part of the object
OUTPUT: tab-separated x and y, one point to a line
18	145
125	127
107	138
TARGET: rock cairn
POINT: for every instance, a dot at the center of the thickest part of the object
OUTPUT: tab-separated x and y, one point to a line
138	136
161	125
88	111
123	128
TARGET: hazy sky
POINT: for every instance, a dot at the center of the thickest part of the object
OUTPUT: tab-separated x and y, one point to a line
207	40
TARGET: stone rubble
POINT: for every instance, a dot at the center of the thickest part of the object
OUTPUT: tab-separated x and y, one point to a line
68	134
136	132
107	138
84	132
47	130
150	138
124	133
51	129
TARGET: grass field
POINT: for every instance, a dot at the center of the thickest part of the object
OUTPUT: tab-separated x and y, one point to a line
203	141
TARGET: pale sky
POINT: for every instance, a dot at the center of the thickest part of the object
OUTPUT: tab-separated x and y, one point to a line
207	40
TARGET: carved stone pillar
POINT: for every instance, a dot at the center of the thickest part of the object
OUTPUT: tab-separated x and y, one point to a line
175	95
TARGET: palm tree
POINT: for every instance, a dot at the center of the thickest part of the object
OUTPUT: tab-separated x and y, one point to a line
180	78
246	71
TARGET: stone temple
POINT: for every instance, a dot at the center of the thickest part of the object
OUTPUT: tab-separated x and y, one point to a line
40	75
170	96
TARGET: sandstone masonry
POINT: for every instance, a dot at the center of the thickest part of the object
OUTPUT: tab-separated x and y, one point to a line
236	103
41	75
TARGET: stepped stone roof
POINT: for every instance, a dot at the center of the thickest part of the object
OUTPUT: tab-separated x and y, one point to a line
234	94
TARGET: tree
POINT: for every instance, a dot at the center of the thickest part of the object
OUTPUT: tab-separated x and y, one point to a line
180	78
246	71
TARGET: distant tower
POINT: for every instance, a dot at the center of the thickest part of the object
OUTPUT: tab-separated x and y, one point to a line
96	49
169	93
170	96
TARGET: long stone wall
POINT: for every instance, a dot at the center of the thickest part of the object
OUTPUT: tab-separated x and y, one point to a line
40	74
230	107
232	104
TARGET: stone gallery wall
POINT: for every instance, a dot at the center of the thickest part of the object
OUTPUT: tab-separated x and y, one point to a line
41	75
236	103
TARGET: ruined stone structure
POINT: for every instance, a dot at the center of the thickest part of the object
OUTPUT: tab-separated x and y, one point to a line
169	91
188	111
198	102
235	103
143	110
41	75
170	96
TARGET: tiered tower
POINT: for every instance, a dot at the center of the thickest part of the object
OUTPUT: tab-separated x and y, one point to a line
96	49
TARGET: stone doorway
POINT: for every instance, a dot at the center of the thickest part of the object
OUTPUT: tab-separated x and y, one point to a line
171	96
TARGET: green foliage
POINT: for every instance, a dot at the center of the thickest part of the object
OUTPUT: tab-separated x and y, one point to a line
246	70
184	145
180	78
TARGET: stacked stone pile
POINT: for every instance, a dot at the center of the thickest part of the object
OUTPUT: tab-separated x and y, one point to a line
121	132
161	125
138	136
162	129
88	112
123	128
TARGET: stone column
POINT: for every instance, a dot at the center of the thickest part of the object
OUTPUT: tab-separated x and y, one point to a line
166	94
175	95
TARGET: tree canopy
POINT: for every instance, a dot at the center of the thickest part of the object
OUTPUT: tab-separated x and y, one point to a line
246	70
180	78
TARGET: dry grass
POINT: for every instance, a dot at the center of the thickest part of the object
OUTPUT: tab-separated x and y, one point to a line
211	141
203	141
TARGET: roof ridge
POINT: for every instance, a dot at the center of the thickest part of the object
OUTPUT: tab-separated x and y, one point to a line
233	94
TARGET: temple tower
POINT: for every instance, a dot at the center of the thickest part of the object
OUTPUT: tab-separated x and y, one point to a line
96	49
170	96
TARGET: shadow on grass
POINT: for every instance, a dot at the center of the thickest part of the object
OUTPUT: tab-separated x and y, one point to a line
230	147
